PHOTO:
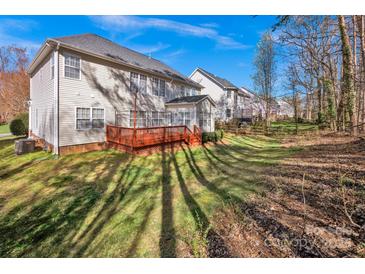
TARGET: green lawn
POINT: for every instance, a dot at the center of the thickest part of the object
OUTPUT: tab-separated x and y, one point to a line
288	127
111	204
4	128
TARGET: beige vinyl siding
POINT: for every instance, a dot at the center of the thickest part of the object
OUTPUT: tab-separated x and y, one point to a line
42	98
105	85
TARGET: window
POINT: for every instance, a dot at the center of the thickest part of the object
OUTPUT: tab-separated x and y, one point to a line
52	65
97	119
158	87
193	92
72	67
134	82
82	118
158	119
138	83
205	120
155	120
162	88
187	91
87	118
187	119
141	119
229	95
182	91
155	82
143	83
228	113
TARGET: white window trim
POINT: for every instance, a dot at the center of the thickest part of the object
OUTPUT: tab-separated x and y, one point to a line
64	65
90	119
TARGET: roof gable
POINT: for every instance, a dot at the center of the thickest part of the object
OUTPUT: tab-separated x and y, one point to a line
223	83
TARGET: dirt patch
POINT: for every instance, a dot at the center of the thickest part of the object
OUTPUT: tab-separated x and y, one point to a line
313	204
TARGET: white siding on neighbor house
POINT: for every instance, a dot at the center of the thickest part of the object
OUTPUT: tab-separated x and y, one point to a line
216	92
42	104
105	85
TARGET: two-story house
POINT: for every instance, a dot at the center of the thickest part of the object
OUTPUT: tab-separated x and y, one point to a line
81	83
229	98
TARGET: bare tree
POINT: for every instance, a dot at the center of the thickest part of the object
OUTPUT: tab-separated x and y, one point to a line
265	73
14	81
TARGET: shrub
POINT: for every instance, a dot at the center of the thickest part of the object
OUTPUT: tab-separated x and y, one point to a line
19	125
221	134
212	136
300	120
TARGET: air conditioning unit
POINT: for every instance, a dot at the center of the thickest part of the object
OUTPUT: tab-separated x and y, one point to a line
24	146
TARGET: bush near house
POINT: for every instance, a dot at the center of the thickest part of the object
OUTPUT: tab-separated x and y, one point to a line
213	136
19	125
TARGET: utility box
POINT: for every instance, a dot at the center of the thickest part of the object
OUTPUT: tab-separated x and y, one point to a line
24	146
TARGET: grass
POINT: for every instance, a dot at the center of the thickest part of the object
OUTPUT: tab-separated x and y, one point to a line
111	204
4	128
289	127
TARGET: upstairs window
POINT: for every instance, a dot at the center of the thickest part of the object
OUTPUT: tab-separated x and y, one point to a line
138	83
162	88
158	87
72	67
182	91
143	83
134	82
229	94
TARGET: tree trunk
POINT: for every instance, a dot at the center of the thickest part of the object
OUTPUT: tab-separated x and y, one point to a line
348	73
360	24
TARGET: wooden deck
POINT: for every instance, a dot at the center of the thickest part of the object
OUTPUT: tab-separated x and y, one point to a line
137	139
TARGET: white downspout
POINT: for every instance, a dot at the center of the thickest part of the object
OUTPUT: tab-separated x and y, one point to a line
30	117
56	101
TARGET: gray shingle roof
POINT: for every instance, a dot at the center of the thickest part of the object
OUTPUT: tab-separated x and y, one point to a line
221	81
188	99
99	45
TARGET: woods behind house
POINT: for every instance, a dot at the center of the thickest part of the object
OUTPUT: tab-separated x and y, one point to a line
14	82
325	58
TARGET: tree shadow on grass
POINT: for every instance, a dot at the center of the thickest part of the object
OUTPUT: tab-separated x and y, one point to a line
47	227
167	237
216	246
112	204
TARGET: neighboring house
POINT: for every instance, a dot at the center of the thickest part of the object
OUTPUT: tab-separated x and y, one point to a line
228	97
254	106
285	110
257	107
80	83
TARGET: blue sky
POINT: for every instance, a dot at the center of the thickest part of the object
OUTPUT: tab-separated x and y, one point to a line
223	45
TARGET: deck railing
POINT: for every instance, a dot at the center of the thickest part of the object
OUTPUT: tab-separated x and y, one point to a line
142	137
